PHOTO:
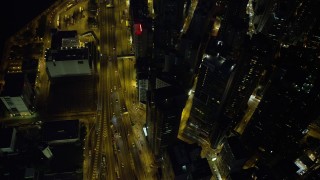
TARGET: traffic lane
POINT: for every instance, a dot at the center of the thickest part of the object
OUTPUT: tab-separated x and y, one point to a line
105	48
121	150
111	155
137	162
122	143
123	156
144	153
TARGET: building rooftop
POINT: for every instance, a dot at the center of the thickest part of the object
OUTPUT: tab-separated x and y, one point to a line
68	54
57	37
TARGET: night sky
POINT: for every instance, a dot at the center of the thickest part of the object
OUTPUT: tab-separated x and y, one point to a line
15	14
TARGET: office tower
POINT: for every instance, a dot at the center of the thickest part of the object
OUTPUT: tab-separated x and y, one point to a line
249	68
248	72
169	16
142	38
290	103
223	86
20	79
231	158
285	53
171	57
18	94
285	21
163	117
143	54
234	24
141	29
187	162
214	74
230	81
194	36
166	88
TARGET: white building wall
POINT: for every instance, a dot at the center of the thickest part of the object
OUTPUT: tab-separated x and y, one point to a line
17	103
68	68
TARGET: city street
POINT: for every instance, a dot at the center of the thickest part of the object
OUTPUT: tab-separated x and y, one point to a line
160	90
120	150
115	144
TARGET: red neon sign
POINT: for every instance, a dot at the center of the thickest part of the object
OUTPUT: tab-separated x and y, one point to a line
138	29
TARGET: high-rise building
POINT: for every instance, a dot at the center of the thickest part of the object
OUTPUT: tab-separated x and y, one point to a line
249	69
214	74
231	158
289	104
163	117
142	32
187	162
142	38
234	24
18	94
286	21
169	16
